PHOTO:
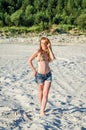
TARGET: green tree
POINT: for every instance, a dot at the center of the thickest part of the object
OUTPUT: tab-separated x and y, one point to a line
7	19
11	10
41	18
51	10
1	19
83	4
25	3
59	6
1	15
57	19
29	10
77	3
70	7
40	5
16	17
1	23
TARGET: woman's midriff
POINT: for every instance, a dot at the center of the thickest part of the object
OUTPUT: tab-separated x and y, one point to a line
43	67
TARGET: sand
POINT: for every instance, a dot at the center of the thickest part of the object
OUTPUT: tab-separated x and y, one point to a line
66	107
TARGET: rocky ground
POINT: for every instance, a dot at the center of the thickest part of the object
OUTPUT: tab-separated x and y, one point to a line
61	39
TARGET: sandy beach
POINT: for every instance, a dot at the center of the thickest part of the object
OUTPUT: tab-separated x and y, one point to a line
66	108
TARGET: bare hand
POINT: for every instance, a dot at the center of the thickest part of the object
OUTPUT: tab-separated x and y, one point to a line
34	72
49	45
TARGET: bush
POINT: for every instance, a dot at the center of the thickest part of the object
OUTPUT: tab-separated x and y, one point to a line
81	21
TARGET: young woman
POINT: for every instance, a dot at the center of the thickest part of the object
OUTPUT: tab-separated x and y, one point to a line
43	75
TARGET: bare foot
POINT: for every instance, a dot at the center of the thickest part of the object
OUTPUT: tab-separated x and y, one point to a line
42	113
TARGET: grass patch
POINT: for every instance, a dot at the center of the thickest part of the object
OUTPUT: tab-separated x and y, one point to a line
15	31
65	27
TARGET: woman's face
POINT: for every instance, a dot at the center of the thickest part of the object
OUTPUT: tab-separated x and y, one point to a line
43	45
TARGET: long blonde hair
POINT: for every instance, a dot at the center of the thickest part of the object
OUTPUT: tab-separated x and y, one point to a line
47	41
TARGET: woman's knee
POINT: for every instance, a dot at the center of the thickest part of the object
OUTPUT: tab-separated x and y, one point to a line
45	94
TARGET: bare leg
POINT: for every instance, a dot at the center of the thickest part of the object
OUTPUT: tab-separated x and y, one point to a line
40	93
46	89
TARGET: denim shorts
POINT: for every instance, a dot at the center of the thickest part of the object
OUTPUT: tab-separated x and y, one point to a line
41	78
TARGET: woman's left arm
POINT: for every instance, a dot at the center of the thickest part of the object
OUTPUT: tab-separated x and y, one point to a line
51	52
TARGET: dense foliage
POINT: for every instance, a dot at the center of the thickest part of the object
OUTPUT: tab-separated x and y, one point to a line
42	12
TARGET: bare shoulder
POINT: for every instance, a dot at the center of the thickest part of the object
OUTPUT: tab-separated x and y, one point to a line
35	54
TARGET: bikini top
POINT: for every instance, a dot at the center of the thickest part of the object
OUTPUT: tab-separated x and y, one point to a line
42	57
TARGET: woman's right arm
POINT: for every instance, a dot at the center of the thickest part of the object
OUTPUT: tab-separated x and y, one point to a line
31	64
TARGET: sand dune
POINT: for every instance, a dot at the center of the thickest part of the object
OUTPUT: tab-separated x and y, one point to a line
66	108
